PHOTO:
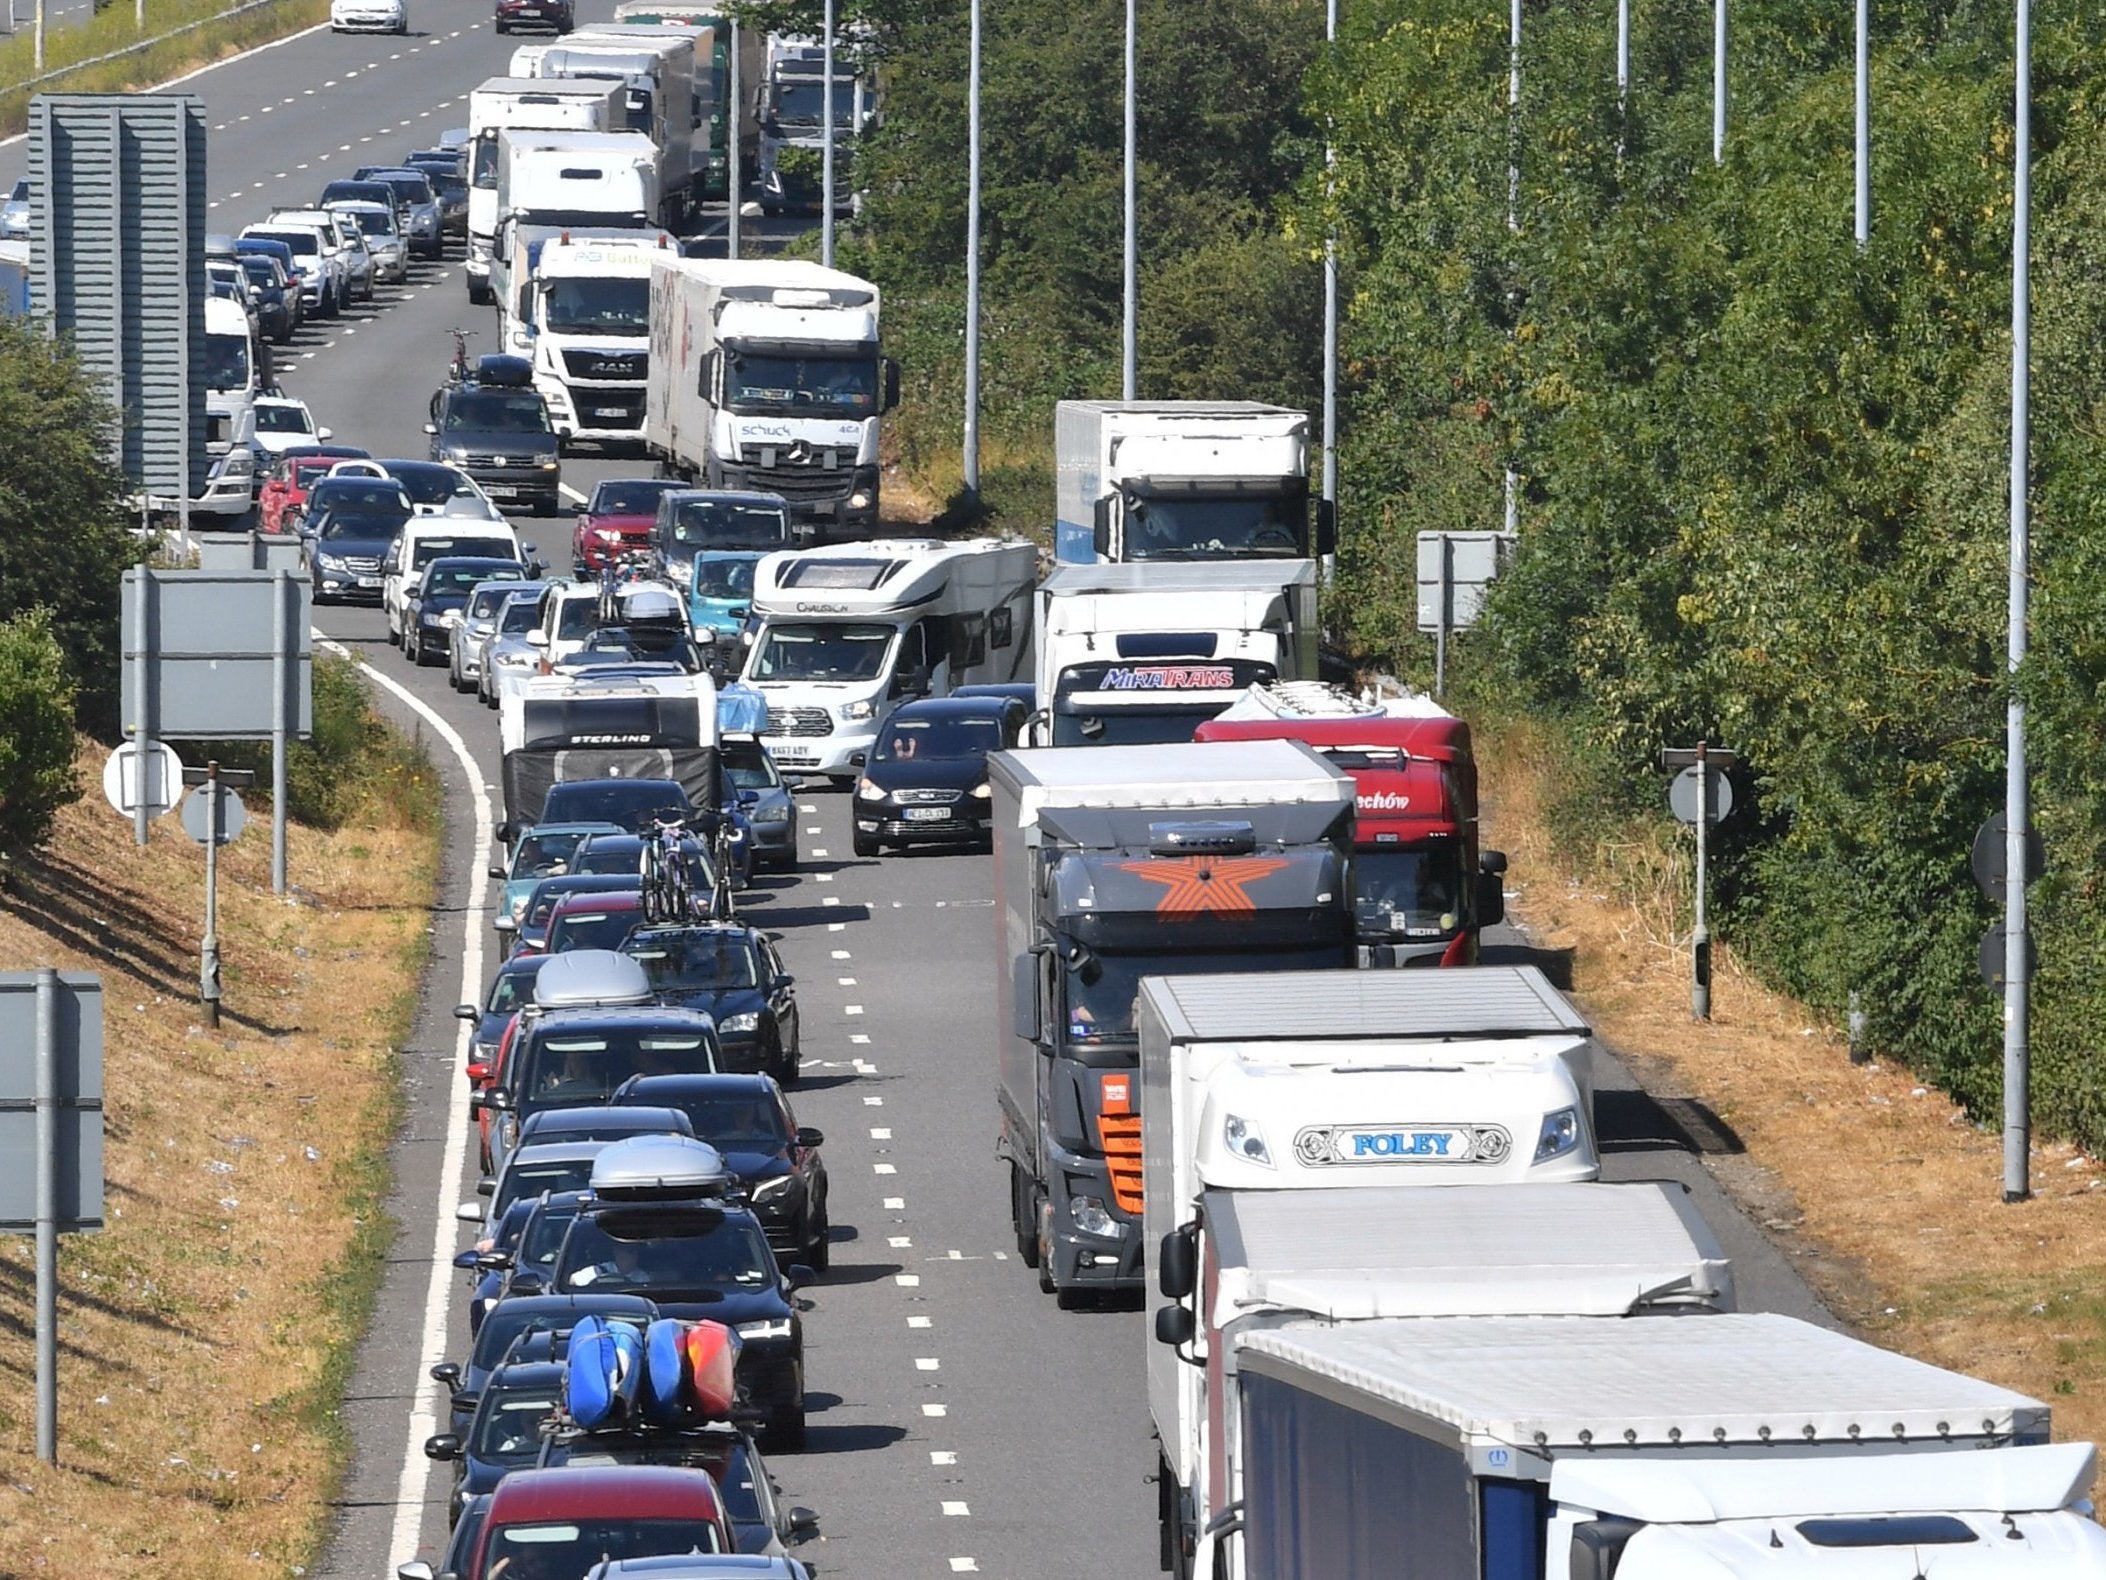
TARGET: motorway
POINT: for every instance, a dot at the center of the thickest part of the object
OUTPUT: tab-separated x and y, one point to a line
960	1423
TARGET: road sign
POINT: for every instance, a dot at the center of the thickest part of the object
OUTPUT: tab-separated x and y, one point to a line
77	1023
1682	794
206	654
1454	569
233	816
164	779
1990	849
1989	958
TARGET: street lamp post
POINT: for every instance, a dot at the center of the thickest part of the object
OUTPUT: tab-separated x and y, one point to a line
826	157
1864	124
1513	203
2017	964
1128	343
972	262
1330	303
1718	82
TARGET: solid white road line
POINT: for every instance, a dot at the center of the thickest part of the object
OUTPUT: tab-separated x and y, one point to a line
431	1342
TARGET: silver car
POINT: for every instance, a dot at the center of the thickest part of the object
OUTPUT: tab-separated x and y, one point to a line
376	223
14	213
506	648
478	624
418	202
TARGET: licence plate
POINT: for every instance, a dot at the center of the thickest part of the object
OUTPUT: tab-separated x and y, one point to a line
609	411
499	490
369	581
792	754
927	814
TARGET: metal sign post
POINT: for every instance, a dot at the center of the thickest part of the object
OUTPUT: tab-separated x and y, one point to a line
47	1101
1700	795
212	817
281	698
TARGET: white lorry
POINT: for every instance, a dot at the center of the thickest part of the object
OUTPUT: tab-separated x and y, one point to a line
577	180
1285	1259
660	94
553	105
1141	653
849	632
1733	1447
1182	480
793	132
765	375
577	304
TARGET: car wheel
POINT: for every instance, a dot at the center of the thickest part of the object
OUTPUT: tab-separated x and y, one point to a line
818	1249
425	657
786	1070
865	844
394	631
786	1433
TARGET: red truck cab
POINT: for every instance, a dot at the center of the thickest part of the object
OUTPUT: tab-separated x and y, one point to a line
564	1522
1422	888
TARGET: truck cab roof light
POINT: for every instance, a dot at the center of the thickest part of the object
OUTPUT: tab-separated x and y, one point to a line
1197	839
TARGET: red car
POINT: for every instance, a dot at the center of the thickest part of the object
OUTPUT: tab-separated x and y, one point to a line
558	16
565	1521
617	520
291	475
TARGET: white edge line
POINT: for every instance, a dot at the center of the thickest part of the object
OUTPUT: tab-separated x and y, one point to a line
431	1348
210	65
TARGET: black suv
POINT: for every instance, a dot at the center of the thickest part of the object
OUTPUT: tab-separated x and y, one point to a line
733	972
495	427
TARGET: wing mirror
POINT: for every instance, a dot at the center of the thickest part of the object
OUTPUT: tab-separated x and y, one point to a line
810	1136
431	427
466	1012
445	1447
447	1372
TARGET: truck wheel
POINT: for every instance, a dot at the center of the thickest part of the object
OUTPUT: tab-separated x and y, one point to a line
479	292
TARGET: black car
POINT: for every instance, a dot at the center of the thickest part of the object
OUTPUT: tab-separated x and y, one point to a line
500	435
732	971
448	174
277	297
609	855
633	804
511	990
694	1260
577	1058
554	1315
364	190
416	202
505	1432
747	1119
925	782
435	604
432	485
348	527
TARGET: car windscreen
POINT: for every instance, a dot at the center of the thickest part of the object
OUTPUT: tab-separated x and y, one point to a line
908	739
609	855
372	221
823	652
590	927
748	766
431	485
576	618
488	598
698	962
282	419
543	1236
729	524
304	243
508	1425
355	493
564	1550
628	496
360	524
546	855
424	550
487	411
728	579
630	806
568	1068
509	991
263	273
519	614
687	1254
528	1178
743	1124
444	578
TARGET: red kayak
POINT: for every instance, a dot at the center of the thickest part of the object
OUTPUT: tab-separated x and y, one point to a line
712	1360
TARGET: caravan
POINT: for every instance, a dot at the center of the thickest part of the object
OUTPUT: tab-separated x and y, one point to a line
558	728
850	631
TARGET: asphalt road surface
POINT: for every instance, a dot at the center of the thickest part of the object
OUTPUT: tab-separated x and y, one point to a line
959	1422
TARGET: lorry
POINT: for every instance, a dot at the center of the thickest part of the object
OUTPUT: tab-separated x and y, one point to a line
577	304
1114	865
1424	888
552	105
581	180
1131	654
735	72
793	133
1277	1259
1733	1446
662	97
849	632
765	375
1183	480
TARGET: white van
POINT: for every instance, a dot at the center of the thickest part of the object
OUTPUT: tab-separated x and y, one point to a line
427	538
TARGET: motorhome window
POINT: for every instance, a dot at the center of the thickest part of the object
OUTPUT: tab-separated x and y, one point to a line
724	578
484	174
1001	628
968	640
581	173
814	573
226	362
823	652
488	412
1181	526
1408	893
758	382
639	111
726	524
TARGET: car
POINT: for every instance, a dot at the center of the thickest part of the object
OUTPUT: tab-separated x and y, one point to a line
616	521
558	16
516	1318
526	1239
777	1161
501	436
277	296
925	782
511	990
350	526
508	651
530	1169
316	265
429	538
580	979
297	469
764	796
760	1525
479	617
701	1258
576	1059
460	1546
504	1434
632	805
542	851
447	171
559	1522
720	597
342	243
349	190
419	205
613	854
530	929
592	921
381	228
692	521
717	1566
280	253
283	424
436	489
435	606
15	216
369	16
732	971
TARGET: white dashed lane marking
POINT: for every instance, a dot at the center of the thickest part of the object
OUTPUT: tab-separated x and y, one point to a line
928	1363
935	1409
954	1509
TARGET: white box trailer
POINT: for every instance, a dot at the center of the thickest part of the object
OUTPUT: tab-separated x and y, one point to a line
578	180
551	105
662	96
766	376
1182	480
1265	1259
849	632
1734	1447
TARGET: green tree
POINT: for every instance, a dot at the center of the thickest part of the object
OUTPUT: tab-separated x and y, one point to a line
36	731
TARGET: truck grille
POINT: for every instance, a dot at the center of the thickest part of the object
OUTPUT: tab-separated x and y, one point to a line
815	479
799	721
622	365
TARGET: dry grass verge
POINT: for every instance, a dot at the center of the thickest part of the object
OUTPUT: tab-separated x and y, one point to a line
1896	1192
206	1333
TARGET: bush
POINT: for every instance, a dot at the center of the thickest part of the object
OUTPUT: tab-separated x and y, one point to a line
36	732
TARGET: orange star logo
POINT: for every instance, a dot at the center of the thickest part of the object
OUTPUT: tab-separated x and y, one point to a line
1205	883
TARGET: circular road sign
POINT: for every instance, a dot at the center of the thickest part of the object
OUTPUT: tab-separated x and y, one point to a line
233	816
1682	794
164	779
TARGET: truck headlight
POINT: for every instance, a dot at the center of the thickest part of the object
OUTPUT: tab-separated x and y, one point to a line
749	1022
1245	1140
778	1329
858	710
1091	1218
859	500
1559	1135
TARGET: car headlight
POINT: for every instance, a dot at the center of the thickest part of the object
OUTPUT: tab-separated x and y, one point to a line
519	906
606	534
858	710
740	1023
769	1190
680	572
869	790
772	814
1559	1135
330	562
1091	1218
512	660
549	466
1245	1140
983	791
449	617
859	500
778	1329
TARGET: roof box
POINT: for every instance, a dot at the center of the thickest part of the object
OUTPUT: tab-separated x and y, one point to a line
591	978
504	371
659	1168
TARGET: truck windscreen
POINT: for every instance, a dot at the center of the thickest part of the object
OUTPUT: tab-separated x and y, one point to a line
597	307
802	385
484	173
1099	993
1193	526
1406	892
1130	726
